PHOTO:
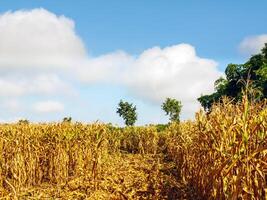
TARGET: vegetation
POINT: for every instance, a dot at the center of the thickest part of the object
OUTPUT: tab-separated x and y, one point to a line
172	107
23	121
222	155
67	119
254	70
128	112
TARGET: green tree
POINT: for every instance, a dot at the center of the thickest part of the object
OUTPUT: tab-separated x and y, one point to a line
172	107
67	120
23	121
236	75
128	112
206	101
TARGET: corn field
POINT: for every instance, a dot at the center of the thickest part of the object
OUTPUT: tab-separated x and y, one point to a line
219	155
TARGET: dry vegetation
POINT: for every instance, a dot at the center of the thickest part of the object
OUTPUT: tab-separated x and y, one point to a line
222	155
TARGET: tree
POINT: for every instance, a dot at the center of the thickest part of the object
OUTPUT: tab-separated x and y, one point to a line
206	101
172	107
23	121
236	75
67	120
128	112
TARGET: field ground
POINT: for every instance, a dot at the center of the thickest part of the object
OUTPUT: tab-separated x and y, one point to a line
123	176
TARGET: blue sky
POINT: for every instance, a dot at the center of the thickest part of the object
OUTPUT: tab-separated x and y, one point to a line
219	32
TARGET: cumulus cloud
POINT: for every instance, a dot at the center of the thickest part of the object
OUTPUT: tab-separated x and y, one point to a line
11	120
42	84
48	107
105	68
158	73
34	46
38	39
253	44
174	71
37	45
12	105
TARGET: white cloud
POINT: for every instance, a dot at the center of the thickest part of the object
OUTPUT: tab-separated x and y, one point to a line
12	105
174	71
36	46
43	84
106	68
38	39
253	44
48	107
11	120
157	73
10	88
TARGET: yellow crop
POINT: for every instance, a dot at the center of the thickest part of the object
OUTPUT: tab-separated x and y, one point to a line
224	154
220	155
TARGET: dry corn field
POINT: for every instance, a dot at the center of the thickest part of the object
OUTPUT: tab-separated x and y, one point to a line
220	155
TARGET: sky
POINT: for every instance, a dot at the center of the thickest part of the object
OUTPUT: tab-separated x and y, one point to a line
79	58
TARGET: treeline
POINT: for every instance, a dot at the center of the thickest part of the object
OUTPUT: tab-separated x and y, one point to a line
252	75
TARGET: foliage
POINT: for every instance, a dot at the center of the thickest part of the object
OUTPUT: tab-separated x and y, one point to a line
161	127
23	121
67	119
172	107
128	112
253	71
